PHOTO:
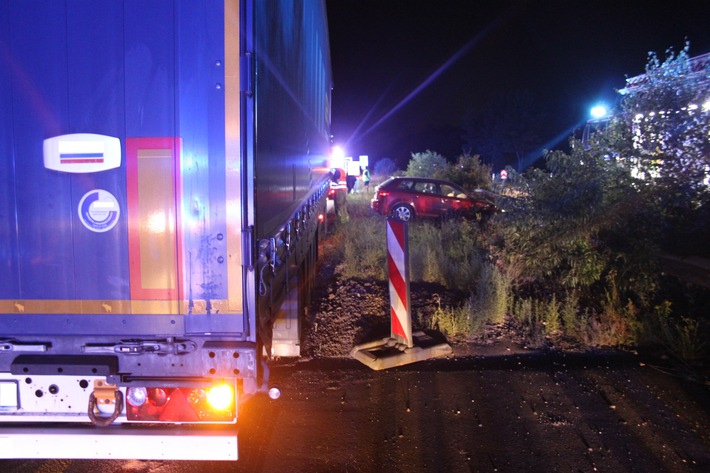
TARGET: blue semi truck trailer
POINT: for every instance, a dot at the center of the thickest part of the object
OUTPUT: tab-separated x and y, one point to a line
163	174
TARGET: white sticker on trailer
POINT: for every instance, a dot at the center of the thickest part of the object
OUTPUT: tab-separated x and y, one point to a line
82	153
99	210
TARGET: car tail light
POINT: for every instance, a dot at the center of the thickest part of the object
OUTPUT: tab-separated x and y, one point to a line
215	404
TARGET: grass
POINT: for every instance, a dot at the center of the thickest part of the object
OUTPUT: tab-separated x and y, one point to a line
453	254
448	253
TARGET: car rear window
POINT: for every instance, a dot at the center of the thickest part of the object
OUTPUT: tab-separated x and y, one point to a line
425	187
404	185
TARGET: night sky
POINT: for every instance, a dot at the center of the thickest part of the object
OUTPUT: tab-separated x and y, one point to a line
407	72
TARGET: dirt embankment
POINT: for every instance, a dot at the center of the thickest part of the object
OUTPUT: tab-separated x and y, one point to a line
347	312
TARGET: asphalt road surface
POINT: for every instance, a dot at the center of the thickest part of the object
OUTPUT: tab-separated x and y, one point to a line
508	412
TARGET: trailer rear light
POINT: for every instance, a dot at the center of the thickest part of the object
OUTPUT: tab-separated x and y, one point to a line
220	397
136	397
215	404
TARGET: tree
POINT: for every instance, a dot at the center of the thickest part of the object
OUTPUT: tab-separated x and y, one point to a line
583	225
667	109
667	115
469	172
589	226
587	229
426	164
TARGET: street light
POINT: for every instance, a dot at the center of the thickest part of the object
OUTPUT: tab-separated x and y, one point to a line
599	115
598	111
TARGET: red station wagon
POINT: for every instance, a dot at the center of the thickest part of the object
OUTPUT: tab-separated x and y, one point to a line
405	198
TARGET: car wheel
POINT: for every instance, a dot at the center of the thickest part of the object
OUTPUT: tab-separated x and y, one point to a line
402	212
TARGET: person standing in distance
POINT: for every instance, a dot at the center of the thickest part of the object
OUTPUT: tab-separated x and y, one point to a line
366	179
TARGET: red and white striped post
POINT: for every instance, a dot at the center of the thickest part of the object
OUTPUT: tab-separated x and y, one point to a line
398	272
403	346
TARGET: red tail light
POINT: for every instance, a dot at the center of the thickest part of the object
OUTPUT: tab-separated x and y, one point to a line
214	404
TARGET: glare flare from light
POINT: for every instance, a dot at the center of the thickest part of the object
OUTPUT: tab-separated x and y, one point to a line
435	75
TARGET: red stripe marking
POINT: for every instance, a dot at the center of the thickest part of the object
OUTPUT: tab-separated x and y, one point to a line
81	161
133	145
397	280
397	328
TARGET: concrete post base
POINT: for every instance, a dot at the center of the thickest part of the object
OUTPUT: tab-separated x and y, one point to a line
387	353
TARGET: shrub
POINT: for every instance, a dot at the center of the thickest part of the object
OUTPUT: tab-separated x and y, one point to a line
527	316
569	312
462	248
447	253
469	172
449	321
576	244
455	322
364	243
614	326
686	340
426	253
551	316
492	295
682	336
426	164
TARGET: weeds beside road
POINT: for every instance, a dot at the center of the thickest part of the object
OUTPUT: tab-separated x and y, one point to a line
462	290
